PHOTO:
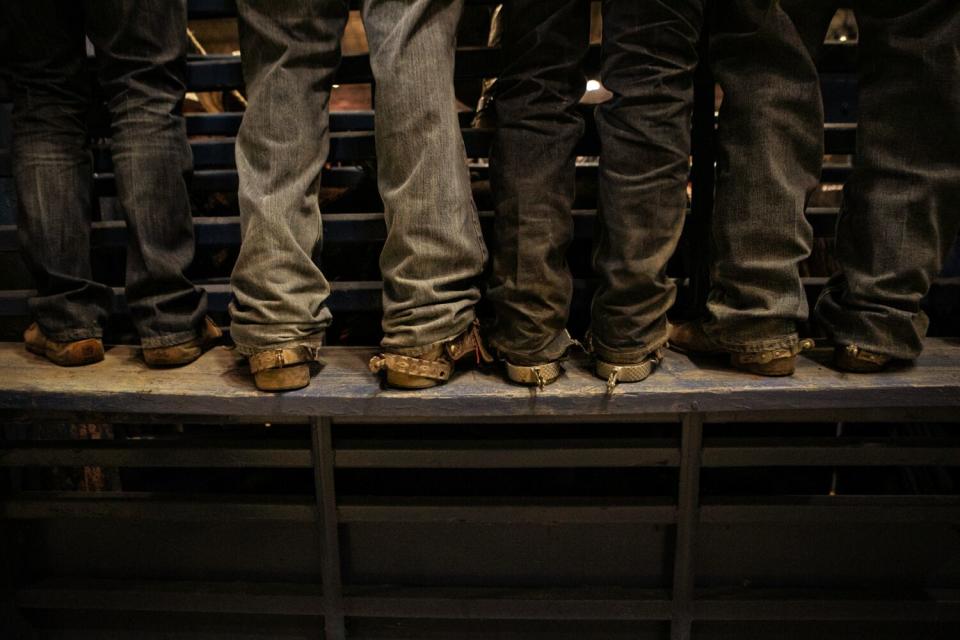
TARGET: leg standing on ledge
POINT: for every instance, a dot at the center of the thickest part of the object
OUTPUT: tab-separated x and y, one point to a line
141	66
770	154
901	206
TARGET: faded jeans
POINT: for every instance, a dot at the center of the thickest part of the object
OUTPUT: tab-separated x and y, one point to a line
901	205
141	65
649	54
434	251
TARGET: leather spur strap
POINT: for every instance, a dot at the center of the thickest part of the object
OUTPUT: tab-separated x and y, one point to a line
466	343
442	367
763	357
874	358
283	357
433	369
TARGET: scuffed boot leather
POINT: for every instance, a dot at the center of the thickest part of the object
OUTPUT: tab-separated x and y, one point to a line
691	338
178	355
66	354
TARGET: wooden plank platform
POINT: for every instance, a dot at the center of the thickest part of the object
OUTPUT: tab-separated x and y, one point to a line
219	384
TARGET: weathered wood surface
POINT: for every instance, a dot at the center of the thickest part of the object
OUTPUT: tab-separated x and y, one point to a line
219	384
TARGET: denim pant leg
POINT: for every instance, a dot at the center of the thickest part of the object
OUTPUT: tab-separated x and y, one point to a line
533	176
141	51
769	157
291	50
649	55
52	165
434	253
901	209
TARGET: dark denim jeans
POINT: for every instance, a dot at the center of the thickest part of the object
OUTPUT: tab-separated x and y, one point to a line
434	253
649	54
901	206
769	156
140	48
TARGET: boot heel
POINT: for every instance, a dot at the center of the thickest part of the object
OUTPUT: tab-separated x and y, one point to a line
775	368
285	379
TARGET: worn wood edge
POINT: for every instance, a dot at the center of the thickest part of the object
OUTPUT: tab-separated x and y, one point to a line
219	385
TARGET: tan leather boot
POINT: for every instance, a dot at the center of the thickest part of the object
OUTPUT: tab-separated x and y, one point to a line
283	369
434	366
65	354
855	360
186	352
692	339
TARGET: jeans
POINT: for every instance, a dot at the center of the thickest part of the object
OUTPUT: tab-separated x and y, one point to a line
649	54
769	157
434	251
141	65
901	205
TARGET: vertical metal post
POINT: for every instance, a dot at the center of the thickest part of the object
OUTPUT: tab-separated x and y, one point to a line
326	496
12	623
688	518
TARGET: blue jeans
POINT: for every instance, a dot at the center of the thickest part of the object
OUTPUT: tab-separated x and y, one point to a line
769	157
434	251
901	205
649	55
140	48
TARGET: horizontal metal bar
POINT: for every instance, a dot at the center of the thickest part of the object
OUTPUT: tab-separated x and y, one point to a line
219	72
359	146
201	508
839	137
490	603
228	123
154	454
27	416
507	511
926	509
337	228
545	421
827	605
204	9
284	599
507	603
222	72
867	414
787	452
179	508
458	455
216	180
835	172
344	296
526	454
225	230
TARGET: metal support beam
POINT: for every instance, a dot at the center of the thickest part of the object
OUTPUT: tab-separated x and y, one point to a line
323	468
688	517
